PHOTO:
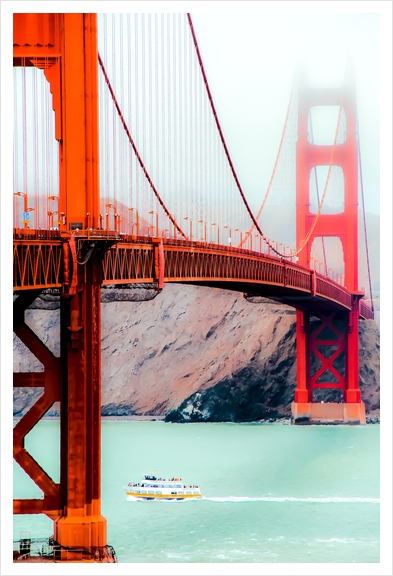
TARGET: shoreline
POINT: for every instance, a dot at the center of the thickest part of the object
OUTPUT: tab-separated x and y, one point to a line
110	418
371	419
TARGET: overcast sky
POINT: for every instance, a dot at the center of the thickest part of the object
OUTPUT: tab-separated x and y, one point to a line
250	57
251	60
250	51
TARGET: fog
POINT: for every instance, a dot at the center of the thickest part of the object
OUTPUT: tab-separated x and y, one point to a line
251	59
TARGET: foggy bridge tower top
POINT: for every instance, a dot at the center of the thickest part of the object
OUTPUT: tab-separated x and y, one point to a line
343	225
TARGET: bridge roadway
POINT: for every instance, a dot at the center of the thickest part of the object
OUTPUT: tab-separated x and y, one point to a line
48	259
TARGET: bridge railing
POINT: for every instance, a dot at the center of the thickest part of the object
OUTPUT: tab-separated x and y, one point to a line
38	264
366	311
333	291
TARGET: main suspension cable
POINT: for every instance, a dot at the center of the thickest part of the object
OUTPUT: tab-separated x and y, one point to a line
136	152
254	220
272	175
222	135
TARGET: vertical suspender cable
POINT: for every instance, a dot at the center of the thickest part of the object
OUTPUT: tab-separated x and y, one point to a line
143	103
191	142
122	186
130	215
155	162
114	158
35	215
106	117
173	92
150	97
168	165
47	158
25	188
163	109
198	131
16	149
137	112
179	119
181	188
364	219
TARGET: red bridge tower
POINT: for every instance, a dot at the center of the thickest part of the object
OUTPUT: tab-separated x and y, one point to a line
321	343
65	47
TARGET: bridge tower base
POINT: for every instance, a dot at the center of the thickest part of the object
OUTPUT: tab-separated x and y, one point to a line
328	413
74	380
328	359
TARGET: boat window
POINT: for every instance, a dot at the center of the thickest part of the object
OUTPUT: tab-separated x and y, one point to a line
150	492
188	492
173	492
158	492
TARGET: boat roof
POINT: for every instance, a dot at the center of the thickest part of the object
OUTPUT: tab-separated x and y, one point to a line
154	478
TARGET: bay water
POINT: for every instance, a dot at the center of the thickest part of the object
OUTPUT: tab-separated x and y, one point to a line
272	493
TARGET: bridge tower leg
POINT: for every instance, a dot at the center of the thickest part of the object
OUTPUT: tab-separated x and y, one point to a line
337	331
65	47
81	523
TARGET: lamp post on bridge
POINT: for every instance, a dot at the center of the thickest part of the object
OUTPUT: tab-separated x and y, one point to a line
51	218
163	233
114	215
53	199
204	229
230	234
26	210
136	223
260	241
218	231
241	236
154	212
190	221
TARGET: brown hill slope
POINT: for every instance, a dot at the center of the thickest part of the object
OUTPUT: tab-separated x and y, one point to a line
207	351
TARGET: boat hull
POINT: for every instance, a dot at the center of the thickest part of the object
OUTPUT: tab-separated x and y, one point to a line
177	497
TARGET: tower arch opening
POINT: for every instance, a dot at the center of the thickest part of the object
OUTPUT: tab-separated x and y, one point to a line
322	125
333	202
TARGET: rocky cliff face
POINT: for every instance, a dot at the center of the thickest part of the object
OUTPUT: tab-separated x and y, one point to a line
193	354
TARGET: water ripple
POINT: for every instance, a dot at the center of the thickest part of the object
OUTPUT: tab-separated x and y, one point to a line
327	500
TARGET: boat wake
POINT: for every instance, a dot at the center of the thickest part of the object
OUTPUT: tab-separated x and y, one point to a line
327	500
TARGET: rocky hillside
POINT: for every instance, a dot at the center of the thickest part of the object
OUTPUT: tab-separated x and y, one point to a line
193	354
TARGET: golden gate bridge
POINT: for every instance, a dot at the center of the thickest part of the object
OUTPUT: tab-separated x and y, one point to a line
122	175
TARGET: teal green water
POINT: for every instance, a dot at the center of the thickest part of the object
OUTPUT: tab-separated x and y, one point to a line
272	493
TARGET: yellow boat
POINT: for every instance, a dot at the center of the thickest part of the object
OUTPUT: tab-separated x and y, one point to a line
153	488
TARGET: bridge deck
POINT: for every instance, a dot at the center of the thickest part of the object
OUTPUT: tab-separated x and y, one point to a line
39	264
